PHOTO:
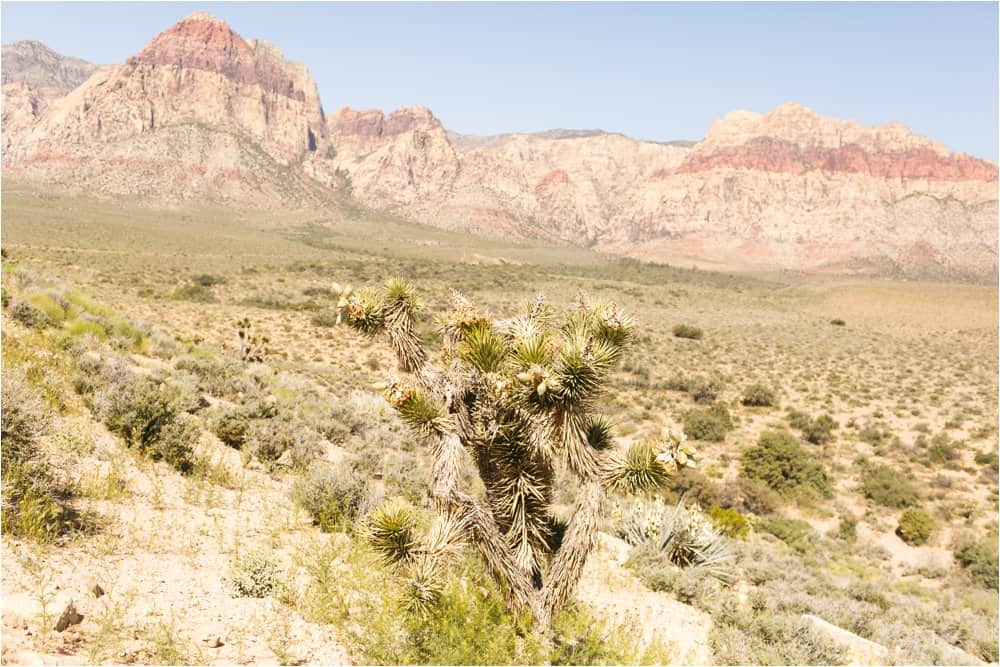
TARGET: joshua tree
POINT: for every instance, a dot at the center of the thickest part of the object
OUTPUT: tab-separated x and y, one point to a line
516	398
251	346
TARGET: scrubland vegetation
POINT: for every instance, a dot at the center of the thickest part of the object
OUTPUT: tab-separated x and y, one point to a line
201	438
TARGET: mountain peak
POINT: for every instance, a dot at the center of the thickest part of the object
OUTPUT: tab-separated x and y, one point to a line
203	16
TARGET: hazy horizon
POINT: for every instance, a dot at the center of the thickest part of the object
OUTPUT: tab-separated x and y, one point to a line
660	72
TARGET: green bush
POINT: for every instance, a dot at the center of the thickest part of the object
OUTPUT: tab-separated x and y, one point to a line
196	293
942	450
48	305
232	425
36	503
208	280
711	424
780	462
795	533
915	526
688	331
29	315
693	486
887	487
146	415
979	558
759	395
847	529
83	327
818	431
704	390
729	521
333	497
767	638
749	496
988	459
254	575
268	439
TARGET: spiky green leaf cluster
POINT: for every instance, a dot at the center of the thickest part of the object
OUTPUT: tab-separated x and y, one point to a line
399	291
483	348
634	469
391	532
365	311
423	415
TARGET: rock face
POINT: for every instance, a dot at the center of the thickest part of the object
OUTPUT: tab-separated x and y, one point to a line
201	113
198	113
785	190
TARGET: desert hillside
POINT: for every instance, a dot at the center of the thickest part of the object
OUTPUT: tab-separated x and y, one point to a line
208	461
202	114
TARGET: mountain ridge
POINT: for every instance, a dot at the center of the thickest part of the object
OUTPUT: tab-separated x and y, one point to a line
786	189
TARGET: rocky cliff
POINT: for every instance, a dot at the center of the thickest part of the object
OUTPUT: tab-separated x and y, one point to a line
201	113
198	113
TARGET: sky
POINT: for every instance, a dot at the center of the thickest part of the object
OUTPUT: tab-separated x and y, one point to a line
660	71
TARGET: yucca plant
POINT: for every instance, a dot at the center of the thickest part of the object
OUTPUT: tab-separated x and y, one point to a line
252	347
516	399
683	534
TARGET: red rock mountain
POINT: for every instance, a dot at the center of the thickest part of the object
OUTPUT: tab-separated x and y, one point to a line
201	113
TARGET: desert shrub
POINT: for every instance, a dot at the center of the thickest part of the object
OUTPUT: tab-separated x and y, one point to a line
796	533
36	503
704	390
887	487
989	459
710	424
915	526
253	575
681	535
48	305
268	439
847	529
208	280
122	329
219	378
677	382
688	331
232	424
942	450
693	487
818	431
194	292
748	495
780	462
29	315
765	638
873	435
979	558
837	322
83	327
333	497
729	521
146	415
470	625
759	395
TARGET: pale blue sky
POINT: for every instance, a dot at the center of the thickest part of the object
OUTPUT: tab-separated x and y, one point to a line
654	71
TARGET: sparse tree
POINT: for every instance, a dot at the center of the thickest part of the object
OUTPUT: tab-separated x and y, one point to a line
515	398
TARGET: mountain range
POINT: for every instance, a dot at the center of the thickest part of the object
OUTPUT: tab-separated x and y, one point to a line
201	114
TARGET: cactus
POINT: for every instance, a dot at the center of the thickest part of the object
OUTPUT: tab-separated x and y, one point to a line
252	347
515	398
